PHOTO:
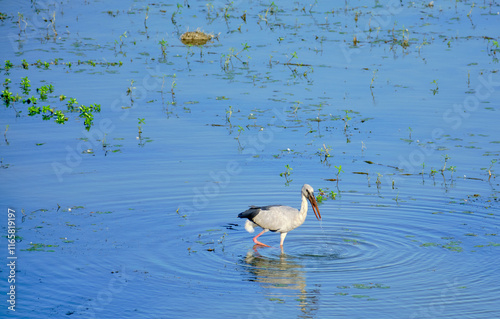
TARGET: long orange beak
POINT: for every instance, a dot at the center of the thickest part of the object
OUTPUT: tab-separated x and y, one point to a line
314	205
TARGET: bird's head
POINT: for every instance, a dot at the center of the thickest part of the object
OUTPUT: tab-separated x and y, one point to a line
308	192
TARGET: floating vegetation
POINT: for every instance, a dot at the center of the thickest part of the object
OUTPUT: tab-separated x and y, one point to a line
452	245
361	286
351	241
196	37
46	65
370	286
360	296
324	194
40	247
47	111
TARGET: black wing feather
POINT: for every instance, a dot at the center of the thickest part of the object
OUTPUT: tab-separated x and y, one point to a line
254	211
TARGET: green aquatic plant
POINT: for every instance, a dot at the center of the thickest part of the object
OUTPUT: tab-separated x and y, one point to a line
333	195
146	18
452	169
8	65
378	182
60	117
346	119
320	198
7	97
240	129
296	107
210	9
339	170
72	104
226	10
405	40
129	91
326	151
163	45
175	13
470	12
493	161
229	113
323	195
173	86
124	35
25	85
286	174
493	49
272	8
139	125
40	247
446	158
374	76
228	62
435	90
20	18
433	173
294	56
44	90
33	110
30	100
53	25
87	114
48	113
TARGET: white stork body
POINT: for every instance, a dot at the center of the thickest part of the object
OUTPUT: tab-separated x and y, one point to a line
278	218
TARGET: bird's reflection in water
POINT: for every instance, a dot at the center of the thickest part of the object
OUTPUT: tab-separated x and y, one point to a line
283	279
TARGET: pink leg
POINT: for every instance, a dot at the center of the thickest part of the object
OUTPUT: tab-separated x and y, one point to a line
283	235
258	242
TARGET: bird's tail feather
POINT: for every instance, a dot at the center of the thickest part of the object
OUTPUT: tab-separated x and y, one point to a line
249	226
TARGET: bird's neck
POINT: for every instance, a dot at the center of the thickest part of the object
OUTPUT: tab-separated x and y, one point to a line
303	206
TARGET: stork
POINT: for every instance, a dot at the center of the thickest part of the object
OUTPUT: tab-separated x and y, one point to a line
278	218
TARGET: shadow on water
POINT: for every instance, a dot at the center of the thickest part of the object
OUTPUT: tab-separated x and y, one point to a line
281	276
